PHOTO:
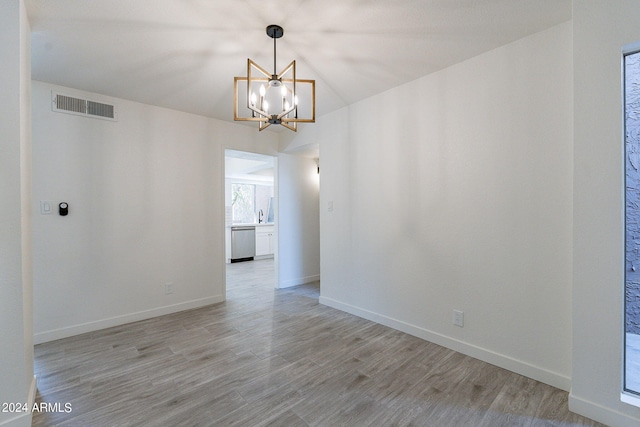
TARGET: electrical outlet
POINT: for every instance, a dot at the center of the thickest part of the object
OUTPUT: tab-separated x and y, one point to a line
168	288
458	318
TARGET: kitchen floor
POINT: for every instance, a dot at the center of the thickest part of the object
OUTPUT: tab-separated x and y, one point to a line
258	275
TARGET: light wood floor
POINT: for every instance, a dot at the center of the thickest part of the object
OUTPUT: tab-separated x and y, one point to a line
273	357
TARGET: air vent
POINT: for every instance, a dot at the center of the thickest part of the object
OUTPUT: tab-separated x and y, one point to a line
82	107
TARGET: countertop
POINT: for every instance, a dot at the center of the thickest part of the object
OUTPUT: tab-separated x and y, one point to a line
262	224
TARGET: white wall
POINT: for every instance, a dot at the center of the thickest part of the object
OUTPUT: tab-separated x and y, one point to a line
297	221
146	203
331	134
17	383
600	33
454	192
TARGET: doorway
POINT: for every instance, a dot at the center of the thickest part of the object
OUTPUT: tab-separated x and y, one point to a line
250	204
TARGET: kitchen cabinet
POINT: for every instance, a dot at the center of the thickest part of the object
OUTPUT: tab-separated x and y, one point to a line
265	240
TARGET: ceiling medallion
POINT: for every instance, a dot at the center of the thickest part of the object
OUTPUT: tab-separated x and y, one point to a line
274	99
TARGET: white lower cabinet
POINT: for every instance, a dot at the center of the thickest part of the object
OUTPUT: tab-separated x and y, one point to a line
265	236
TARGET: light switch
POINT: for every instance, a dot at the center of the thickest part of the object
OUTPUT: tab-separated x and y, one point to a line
46	207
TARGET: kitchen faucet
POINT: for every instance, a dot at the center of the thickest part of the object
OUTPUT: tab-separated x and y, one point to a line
260	216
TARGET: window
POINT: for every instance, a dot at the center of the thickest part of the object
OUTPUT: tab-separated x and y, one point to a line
632	224
243	202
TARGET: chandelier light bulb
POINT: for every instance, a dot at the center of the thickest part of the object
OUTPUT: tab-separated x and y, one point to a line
253	99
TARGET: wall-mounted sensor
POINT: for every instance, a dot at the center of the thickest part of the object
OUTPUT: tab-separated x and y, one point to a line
46	207
63	208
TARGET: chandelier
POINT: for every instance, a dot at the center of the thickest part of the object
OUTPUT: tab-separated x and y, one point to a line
274	99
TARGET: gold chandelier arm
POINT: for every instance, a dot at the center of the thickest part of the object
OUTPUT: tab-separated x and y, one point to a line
286	70
293	128
264	125
298	121
259	68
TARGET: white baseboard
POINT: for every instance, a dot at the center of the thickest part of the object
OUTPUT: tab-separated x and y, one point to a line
600	413
548	377
298	281
69	331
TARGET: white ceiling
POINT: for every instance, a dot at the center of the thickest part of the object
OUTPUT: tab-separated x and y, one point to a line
183	54
244	165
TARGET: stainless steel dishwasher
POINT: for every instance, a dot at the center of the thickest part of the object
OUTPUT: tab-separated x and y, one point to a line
243	243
